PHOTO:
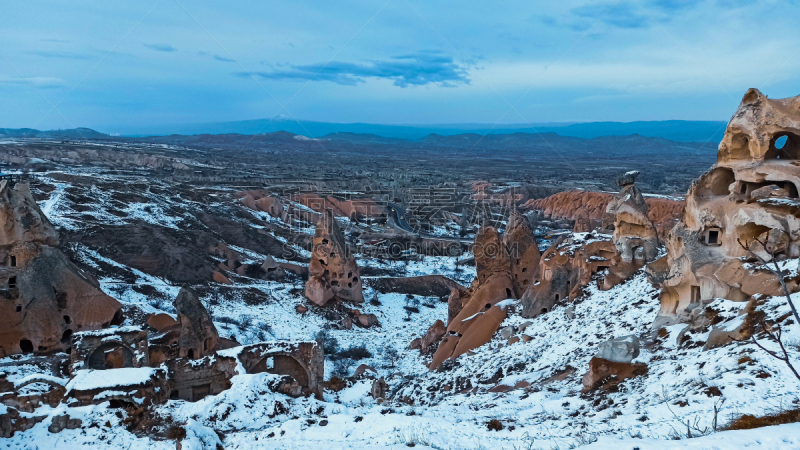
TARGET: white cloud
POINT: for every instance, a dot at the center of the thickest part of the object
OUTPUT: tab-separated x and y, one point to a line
38	82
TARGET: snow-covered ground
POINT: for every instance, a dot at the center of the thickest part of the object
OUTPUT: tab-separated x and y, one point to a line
647	412
449	409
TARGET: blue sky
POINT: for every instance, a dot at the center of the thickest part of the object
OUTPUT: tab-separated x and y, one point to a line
115	66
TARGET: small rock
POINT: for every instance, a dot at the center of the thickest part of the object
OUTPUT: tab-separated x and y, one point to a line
507	332
347	323
628	178
64	422
362	369
524	326
434	334
367	320
379	388
570	312
301	309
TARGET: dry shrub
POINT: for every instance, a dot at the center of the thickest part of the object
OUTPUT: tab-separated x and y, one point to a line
176	433
747	422
335	384
494	425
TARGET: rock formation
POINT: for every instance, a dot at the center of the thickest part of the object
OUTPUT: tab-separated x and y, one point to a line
424	285
634	233
591	206
751	195
565	268
262	201
198	335
504	268
333	272
522	251
272	269
613	363
571	262
45	297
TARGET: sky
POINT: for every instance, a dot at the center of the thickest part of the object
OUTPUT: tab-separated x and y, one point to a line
115	66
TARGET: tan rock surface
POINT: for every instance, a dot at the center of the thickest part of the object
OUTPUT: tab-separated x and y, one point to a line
575	205
505	266
198	335
750	194
333	272
604	374
45	297
634	234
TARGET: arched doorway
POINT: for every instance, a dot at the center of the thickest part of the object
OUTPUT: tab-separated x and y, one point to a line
282	365
110	356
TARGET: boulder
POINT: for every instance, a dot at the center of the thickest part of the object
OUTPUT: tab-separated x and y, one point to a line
367	320
622	350
362	370
272	269
604	374
379	389
628	178
64	422
434	334
220	278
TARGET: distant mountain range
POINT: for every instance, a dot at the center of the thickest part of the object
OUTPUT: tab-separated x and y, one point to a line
674	130
74	133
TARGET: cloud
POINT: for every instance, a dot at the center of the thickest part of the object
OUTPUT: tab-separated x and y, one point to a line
675	5
60	54
223	59
38	82
161	47
627	15
417	69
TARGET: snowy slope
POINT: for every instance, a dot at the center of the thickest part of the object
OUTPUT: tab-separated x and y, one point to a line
447	409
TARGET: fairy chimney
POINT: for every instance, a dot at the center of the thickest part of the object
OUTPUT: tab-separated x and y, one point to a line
45	297
750	196
333	272
634	234
198	335
505	266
